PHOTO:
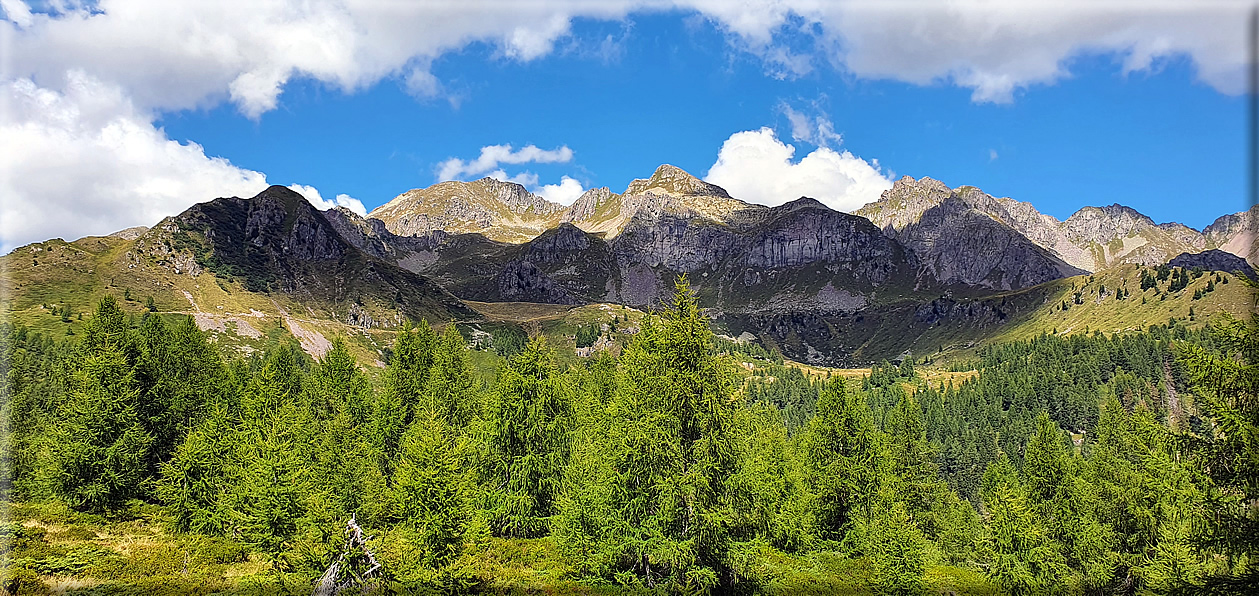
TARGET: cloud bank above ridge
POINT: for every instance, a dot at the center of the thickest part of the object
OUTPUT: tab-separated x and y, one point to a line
87	115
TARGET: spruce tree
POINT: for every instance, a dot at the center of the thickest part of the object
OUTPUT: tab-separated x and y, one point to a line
337	386
345	461
450	389
1021	556
897	549
770	497
432	505
404	389
101	448
180	376
195	479
268	494
1226	381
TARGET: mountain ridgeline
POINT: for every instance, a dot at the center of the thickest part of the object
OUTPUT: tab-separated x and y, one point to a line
925	266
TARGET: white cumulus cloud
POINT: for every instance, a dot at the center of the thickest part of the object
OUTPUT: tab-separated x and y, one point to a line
757	167
817	130
16	11
85	161
996	48
493	155
82	83
173	54
564	193
342	200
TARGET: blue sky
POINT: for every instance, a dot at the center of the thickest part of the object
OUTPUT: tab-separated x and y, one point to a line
1054	117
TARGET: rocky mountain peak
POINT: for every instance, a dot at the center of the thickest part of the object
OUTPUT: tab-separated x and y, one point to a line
588	204
1103	224
675	181
905	202
798	204
926	183
280	194
1237	233
501	210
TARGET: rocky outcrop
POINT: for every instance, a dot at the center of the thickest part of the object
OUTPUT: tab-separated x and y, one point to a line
499	210
1213	260
1100	225
674	181
805	232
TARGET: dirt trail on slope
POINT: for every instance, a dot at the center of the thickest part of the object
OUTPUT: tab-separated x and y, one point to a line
312	342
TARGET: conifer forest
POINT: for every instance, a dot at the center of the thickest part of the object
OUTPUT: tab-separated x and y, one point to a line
138	458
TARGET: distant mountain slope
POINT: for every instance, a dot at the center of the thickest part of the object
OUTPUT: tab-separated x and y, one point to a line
1213	260
798	255
965	236
245	268
920	212
278	242
1118	234
1236	233
507	212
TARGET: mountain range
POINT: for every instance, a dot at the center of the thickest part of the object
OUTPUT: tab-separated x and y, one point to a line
923	264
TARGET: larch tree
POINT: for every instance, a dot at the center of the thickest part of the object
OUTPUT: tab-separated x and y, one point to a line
101	448
654	509
529	415
844	459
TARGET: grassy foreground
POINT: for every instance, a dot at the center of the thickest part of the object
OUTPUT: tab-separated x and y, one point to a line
51	549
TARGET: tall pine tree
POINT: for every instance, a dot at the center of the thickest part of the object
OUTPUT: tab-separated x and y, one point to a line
529	416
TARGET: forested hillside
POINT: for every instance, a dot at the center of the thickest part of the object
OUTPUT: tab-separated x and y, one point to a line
137	457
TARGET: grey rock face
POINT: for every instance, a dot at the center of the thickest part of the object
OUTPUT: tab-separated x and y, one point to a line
486	205
278	242
1091	239
961	245
587	204
805	232
966	236
1213	260
675	181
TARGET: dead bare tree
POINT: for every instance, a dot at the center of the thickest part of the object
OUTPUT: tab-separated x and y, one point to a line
356	566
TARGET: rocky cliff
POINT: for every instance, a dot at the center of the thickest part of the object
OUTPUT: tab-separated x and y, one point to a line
1213	260
1237	234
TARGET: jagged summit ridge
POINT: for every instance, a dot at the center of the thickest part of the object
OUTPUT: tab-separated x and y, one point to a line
1091	239
957	235
1103	224
675	181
